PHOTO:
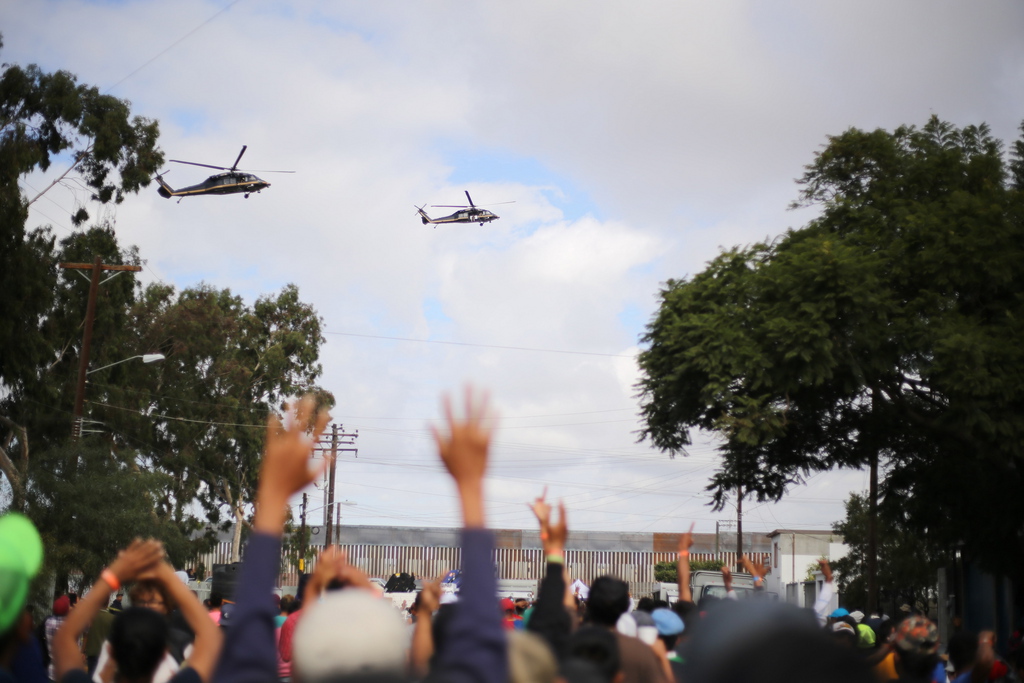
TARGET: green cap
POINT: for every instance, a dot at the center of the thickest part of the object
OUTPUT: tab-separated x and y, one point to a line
21	556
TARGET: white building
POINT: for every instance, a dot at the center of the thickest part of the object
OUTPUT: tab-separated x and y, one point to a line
794	565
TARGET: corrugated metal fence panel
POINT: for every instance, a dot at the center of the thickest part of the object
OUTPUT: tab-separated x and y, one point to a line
381	561
634	567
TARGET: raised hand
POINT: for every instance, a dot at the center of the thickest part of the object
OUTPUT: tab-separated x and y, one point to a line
430	596
463	447
558	532
542	511
286	456
686	540
826	569
139	557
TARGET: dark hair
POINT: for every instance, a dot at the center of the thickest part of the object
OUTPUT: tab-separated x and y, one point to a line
768	642
216	599
138	640
963	650
609	598
687	611
915	664
597	646
147	587
286	604
645	605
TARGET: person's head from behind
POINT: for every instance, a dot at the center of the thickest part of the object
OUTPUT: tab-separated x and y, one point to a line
962	650
609	598
21	556
138	643
216	600
843	633
916	644
669	625
348	635
688	612
598	651
530	660
769	642
152	595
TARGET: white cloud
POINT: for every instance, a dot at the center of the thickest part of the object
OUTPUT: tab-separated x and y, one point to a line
684	124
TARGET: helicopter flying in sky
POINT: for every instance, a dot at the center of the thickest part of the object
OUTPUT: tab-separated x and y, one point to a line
468	214
232	181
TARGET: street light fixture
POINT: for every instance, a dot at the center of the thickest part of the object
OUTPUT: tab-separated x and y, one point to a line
76	424
146	358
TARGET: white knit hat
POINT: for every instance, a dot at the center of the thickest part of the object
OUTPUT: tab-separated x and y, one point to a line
349	632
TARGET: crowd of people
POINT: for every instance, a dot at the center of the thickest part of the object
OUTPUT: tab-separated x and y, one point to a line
339	630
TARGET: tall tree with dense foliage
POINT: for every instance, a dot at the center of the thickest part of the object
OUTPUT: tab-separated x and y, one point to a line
907	565
887	330
49	121
202	418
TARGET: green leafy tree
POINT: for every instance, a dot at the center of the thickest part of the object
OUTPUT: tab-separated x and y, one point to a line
907	565
884	331
227	366
49	119
87	512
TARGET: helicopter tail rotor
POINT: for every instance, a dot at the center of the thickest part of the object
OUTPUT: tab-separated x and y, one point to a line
165	190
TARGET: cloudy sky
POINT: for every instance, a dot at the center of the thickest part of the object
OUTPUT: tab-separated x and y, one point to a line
635	139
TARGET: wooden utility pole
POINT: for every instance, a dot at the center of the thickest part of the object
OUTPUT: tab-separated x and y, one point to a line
97	266
739	528
339	437
328	536
872	604
302	536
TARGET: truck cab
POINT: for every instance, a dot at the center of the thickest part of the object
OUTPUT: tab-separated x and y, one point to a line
710	584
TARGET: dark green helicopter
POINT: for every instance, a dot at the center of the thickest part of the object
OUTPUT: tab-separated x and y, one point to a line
232	181
468	214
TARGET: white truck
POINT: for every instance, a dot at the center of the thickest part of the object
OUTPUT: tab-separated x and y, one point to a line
708	583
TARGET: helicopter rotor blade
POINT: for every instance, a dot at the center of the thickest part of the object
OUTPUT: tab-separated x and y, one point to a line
193	163
450	206
470	199
234	166
249	170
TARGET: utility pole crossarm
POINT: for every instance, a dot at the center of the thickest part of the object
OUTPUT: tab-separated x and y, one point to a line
103	266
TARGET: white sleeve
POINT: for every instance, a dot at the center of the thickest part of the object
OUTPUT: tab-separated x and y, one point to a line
101	661
821	604
731	595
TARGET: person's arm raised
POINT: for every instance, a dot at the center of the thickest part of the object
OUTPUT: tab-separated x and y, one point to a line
422	648
130	562
757	570
683	566
550	619
727	580
463	449
249	653
475	648
286	464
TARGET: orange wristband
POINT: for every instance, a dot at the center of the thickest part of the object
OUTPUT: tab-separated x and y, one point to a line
110	579
685	553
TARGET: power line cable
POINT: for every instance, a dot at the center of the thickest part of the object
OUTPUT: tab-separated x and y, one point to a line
174	44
